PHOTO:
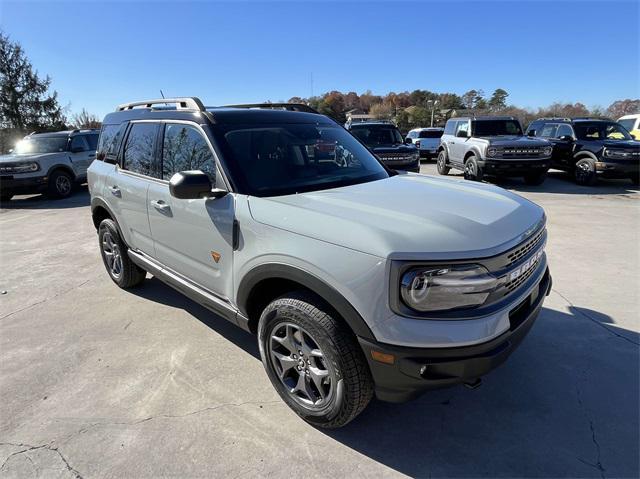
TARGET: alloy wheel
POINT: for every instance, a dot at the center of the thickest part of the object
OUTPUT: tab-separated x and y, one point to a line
112	255
63	185
300	365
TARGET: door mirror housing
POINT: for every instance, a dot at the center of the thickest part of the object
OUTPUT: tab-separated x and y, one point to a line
194	184
531	133
408	141
566	138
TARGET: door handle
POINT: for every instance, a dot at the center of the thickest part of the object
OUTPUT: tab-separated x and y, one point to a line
115	191
160	205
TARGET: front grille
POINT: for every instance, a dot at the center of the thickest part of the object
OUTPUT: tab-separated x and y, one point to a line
513	285
521	152
523	250
394	157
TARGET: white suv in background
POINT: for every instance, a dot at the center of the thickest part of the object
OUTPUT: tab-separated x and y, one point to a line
48	162
427	140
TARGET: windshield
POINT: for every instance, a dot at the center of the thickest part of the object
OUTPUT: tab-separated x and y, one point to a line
628	123
497	128
33	145
431	134
601	130
292	158
377	135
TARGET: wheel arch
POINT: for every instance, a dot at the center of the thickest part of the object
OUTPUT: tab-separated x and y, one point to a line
581	155
268	281
65	168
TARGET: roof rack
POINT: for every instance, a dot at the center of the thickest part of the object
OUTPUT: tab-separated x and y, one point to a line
182	103
277	106
78	130
557	118
592	118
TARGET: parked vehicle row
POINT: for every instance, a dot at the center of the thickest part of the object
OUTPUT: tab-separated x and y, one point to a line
48	162
427	140
356	279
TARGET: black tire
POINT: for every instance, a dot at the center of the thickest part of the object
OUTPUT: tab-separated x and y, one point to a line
347	387
472	170
535	179
441	163
60	184
124	272
585	172
5	197
635	180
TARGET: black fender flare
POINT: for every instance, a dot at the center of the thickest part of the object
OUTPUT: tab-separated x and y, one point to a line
100	203
581	155
287	272
61	167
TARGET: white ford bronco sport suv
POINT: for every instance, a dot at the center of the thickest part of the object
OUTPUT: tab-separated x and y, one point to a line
356	280
48	162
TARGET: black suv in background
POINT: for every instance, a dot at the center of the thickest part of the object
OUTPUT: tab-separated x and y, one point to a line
590	148
385	140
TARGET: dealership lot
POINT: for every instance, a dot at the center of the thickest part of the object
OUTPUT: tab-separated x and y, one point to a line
96	381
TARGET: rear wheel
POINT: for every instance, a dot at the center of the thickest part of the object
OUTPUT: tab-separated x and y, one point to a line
124	272
536	178
60	184
313	360
472	170
441	163
585	172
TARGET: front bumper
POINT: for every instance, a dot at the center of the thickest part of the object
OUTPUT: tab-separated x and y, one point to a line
14	185
415	370
617	169
412	166
514	167
428	152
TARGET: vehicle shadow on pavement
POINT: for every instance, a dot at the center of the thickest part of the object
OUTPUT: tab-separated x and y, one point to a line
564	405
155	290
79	198
562	183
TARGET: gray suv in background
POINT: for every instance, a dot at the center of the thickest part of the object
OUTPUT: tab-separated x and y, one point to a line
355	280
495	146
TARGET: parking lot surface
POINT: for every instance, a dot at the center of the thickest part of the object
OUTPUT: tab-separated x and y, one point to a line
100	382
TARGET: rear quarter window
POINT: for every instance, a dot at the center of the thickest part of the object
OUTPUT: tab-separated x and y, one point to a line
450	127
109	141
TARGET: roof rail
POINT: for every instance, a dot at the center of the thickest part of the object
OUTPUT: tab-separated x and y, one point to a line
182	103
278	106
556	118
592	118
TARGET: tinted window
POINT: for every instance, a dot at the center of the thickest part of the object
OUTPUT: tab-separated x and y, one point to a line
80	143
431	134
497	128
549	130
599	130
184	148
289	158
564	130
628	123
450	127
138	150
462	126
378	135
109	142
92	140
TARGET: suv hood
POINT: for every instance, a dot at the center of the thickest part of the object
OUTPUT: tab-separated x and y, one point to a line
406	216
522	141
36	157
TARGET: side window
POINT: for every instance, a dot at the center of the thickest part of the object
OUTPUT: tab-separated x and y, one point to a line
138	149
564	130
109	141
184	148
549	130
92	140
535	126
78	144
450	127
462	126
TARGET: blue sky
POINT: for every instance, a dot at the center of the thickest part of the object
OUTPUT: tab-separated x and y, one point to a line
102	54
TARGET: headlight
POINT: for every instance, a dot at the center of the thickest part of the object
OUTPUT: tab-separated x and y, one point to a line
492	151
547	150
617	153
447	287
20	167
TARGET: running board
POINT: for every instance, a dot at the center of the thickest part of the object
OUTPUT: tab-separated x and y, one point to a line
199	295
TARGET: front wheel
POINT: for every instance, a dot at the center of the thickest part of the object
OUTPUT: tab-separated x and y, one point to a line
472	170
441	163
585	172
313	360
535	179
60	184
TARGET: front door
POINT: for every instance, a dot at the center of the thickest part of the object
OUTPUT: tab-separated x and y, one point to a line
81	155
563	146
192	237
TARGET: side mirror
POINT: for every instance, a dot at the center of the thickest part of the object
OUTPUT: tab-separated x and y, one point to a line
566	138
462	134
408	141
189	185
531	133
77	149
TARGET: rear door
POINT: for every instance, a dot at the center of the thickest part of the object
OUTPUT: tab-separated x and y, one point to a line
459	147
81	155
128	185
192	237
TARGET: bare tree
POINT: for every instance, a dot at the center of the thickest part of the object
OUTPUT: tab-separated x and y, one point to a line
85	120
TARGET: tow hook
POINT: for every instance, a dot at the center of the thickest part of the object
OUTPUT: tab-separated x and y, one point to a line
475	384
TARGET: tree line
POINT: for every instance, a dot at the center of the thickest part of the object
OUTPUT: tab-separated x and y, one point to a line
28	104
